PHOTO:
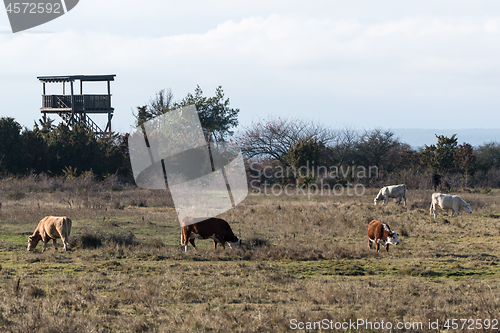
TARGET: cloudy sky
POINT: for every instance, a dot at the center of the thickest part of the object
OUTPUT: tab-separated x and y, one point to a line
362	64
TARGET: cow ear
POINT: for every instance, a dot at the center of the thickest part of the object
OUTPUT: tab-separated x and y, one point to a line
30	238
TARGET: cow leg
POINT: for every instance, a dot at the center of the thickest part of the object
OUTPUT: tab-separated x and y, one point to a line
378	246
387	248
55	243
369	243
191	240
184	242
45	240
433	210
221	241
215	244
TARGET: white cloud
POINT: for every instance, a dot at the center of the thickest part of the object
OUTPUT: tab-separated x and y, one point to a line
277	41
492	25
279	57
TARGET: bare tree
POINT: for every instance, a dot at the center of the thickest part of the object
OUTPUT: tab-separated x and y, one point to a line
157	106
276	136
342	147
378	148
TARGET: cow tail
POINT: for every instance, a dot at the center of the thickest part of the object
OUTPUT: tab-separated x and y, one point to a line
67	231
68	227
405	195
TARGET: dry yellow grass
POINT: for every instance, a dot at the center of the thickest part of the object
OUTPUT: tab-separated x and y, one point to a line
301	259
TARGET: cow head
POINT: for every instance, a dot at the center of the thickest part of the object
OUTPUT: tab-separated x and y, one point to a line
32	242
467	208
380	197
235	244
392	238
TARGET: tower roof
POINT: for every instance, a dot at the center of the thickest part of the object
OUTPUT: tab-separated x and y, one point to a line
71	78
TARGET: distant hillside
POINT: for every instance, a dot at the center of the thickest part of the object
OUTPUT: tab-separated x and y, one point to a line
418	137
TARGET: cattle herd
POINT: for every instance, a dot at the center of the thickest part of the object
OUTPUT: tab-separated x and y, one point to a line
53	227
380	233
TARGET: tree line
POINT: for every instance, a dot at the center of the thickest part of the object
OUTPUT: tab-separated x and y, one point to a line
278	143
71	151
59	150
268	144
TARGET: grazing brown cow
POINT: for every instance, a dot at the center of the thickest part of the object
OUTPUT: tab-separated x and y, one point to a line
51	227
214	228
380	233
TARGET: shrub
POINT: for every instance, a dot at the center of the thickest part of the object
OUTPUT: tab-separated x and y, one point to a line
123	239
35	292
16	195
87	240
255	242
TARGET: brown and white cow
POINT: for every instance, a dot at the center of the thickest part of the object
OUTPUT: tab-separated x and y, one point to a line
380	233
202	228
51	227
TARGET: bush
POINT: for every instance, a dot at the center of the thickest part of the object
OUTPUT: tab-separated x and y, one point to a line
255	242
35	292
16	195
87	240
123	239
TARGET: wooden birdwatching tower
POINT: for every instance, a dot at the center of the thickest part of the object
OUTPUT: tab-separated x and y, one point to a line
76	109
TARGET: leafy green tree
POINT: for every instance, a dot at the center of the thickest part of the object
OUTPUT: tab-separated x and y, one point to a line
112	154
70	148
465	161
34	150
487	156
441	157
45	127
216	117
308	154
11	158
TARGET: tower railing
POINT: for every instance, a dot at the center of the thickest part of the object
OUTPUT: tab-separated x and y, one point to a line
82	102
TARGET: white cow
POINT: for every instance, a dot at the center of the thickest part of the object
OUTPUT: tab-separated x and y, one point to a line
393	191
445	201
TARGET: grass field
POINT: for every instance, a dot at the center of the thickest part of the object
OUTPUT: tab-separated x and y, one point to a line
301	261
